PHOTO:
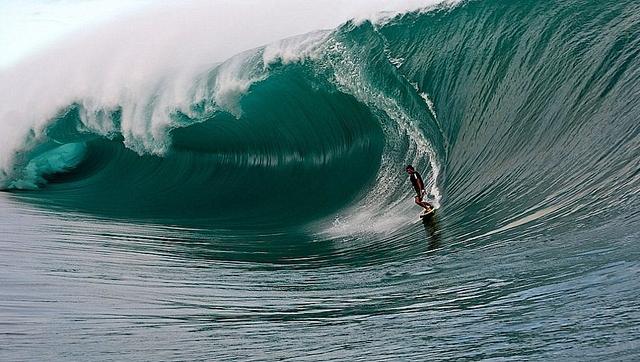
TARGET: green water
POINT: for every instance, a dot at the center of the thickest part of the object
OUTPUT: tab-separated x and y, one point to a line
283	227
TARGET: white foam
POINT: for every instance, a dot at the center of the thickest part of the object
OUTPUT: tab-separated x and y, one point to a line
429	103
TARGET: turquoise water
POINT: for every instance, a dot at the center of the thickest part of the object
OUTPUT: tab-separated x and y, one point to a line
276	221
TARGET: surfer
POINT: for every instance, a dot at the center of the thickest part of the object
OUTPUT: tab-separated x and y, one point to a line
418	185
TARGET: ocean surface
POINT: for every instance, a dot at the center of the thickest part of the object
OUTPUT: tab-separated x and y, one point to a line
255	207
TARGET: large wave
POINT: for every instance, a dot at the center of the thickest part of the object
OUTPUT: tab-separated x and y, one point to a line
520	115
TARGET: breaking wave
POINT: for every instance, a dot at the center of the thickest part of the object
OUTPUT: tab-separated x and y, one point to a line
518	115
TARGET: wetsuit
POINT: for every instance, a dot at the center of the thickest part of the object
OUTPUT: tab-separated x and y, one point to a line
418	184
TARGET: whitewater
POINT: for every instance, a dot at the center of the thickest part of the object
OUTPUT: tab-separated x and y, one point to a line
198	180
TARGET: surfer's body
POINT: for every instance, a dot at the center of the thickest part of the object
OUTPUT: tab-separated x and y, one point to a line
418	186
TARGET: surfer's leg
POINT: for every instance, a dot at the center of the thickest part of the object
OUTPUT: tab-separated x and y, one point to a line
425	205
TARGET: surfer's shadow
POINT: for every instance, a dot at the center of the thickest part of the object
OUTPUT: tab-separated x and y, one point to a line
433	232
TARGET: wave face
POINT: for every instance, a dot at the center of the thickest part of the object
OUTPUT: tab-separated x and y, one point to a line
528	121
539	103
269	186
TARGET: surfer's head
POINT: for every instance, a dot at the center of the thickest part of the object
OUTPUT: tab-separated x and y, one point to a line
410	169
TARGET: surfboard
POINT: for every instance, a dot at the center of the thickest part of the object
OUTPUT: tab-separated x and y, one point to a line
427	214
